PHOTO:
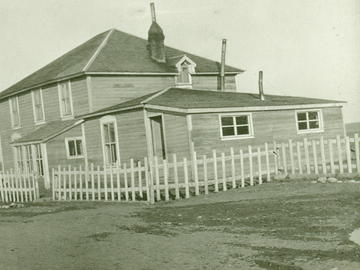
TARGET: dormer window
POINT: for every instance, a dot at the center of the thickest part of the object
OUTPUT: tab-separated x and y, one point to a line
185	67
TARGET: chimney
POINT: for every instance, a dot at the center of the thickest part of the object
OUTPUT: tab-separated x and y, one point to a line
261	89
222	67
156	39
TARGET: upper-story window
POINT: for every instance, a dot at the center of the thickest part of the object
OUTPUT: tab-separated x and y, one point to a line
185	67
110	140
38	106
65	99
14	112
309	121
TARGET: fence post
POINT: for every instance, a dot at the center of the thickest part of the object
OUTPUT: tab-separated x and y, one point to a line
151	181
196	175
223	167
251	166
259	166
126	182
112	183
132	174
348	154
157	178
323	157
206	187
291	157
176	178
242	173
306	149
275	154
98	182
356	138
215	172
299	157
341	165
92	181
186	177
284	157
118	183
1	187
166	180
233	168
315	157
140	179
332	166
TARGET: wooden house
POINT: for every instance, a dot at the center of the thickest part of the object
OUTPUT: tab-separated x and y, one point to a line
118	96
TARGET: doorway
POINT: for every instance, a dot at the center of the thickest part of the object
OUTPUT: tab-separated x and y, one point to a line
157	134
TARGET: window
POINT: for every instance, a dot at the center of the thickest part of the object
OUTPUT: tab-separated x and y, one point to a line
14	112
19	159
39	159
184	76
110	140
74	147
27	157
65	98
236	126
185	67
38	106
309	121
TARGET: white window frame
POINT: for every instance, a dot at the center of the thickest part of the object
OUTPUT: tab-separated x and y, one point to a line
107	120
236	137
70	116
38	121
68	150
304	131
11	112
191	66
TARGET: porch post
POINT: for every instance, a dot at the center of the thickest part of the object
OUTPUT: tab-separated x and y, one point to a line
46	165
150	154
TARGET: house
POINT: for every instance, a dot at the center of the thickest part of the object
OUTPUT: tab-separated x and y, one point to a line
118	96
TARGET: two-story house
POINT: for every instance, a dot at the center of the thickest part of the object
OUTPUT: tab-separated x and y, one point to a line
118	96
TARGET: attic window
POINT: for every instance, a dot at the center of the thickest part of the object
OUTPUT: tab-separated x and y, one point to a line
184	76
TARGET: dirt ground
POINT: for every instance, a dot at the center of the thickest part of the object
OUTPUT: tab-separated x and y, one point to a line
290	225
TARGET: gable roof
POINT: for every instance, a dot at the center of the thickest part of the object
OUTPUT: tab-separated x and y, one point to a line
190	99
48	131
111	51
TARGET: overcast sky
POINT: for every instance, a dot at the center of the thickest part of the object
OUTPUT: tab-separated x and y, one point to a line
305	47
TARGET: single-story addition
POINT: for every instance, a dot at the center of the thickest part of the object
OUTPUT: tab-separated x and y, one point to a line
179	121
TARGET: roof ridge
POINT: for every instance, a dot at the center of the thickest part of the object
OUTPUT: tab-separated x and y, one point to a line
98	50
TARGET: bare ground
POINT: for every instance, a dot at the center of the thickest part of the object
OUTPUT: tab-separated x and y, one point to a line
284	226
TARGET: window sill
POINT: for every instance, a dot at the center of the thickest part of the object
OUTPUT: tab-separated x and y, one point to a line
184	85
40	123
309	131
77	157
68	117
237	138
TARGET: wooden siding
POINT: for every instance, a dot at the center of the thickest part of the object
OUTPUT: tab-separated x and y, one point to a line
80	96
211	82
268	126
56	150
131	132
176	135
111	90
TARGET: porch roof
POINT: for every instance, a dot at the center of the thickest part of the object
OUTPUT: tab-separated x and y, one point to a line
47	131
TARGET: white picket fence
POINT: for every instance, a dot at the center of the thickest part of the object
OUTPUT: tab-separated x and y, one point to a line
18	187
157	180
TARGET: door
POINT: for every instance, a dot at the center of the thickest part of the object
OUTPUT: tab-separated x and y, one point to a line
157	134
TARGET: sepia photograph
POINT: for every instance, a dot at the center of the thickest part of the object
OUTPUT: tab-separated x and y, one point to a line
180	135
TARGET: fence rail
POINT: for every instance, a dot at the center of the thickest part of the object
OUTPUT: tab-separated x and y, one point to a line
18	187
173	178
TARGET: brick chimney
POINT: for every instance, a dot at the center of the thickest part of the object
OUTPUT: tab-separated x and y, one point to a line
156	39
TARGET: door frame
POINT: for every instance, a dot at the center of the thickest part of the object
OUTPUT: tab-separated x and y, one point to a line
148	115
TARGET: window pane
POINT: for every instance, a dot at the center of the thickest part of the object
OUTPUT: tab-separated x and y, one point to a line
227	121
313	115
242	120
228	131
314	124
112	132
72	151
302	125
106	133
243	130
113	153
301	116
79	147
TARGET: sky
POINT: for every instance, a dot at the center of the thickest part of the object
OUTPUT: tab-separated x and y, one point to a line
304	47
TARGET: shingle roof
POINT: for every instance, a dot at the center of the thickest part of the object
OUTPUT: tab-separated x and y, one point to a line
111	51
47	131
191	99
200	99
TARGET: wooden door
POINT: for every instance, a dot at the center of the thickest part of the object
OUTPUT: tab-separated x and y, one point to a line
157	134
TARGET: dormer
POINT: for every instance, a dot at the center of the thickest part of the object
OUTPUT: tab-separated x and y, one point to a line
185	68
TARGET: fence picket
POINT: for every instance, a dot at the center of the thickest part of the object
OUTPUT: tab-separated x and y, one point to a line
291	157
242	172
259	166
196	175
118	183
283	151
106	191
17	188
233	177
176	178
331	156
186	178
251	165
157	178
86	179
316	168
98	183
112	192
357	157
307	159
341	165
2	195
92	175
268	178
215	171
323	157
4	186
348	154
140	179
206	187
126	187
275	155
132	174
25	187
29	185
223	170
147	182
298	151
81	191
166	184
